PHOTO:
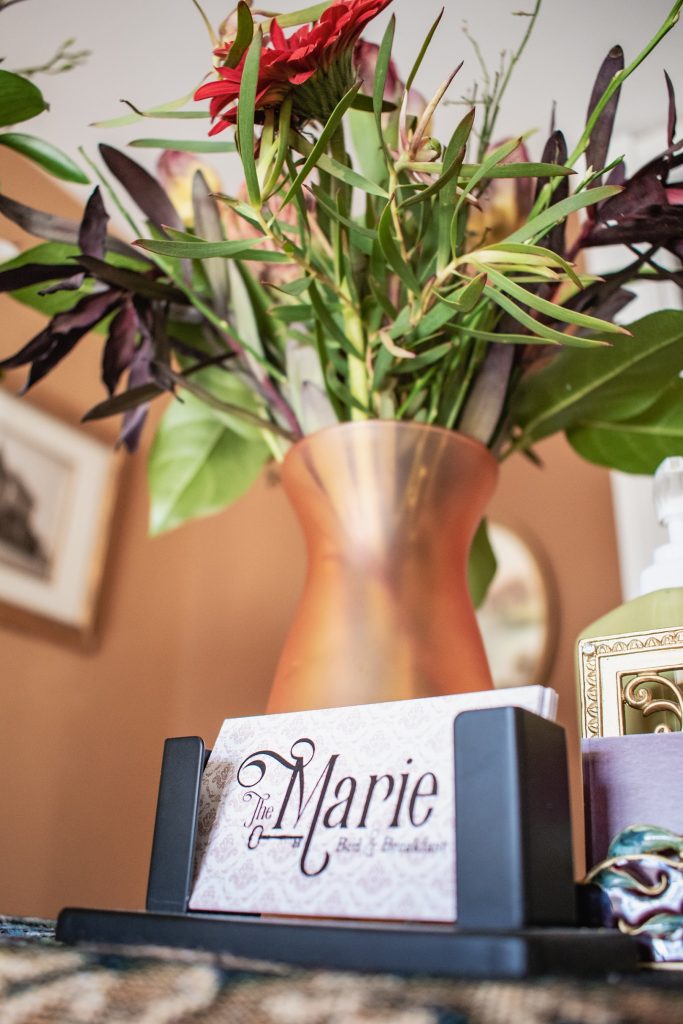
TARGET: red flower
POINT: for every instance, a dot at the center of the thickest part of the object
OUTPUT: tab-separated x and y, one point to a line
314	65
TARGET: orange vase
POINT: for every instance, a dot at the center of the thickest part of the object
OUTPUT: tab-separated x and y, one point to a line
389	511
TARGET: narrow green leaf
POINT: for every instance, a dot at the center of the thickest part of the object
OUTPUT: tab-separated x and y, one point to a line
552	309
537	329
245	118
51	159
302	17
453	157
350	177
526	249
427	193
431	356
392	252
467	297
423	50
199	249
381	72
364	105
482	171
20	100
327	321
538	226
318	149
521	170
185	145
169	109
244	36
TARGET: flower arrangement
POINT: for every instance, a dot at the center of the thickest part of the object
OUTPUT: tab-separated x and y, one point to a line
367	269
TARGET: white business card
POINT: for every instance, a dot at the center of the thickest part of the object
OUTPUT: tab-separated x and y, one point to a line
344	812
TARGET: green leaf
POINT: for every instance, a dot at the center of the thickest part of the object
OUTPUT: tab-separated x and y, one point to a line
185	145
199	464
244	36
520	170
525	249
482	565
635	445
49	252
539	225
392	252
245	117
552	309
199	249
51	159
168	109
483	171
301	17
313	158
454	155
466	298
381	72
328	323
449	174
616	383
20	100
538	329
350	177
423	50
363	104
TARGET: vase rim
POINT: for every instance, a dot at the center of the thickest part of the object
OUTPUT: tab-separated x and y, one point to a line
351	426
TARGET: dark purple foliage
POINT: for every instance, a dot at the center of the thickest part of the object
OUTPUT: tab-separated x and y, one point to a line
119	349
596	154
144	190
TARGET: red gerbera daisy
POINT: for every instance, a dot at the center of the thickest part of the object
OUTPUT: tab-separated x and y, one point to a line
314	65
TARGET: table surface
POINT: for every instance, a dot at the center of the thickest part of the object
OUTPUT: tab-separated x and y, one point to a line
43	982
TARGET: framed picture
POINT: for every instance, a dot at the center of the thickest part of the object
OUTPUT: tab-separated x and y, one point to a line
57	492
631	683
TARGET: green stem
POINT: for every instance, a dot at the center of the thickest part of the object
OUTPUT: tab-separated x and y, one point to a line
358	373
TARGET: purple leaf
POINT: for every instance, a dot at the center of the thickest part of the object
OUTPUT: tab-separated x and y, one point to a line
33	349
119	348
86	313
640	196
143	189
555	152
56	229
672	117
598	146
666	228
92	234
32	273
134	419
63	332
130	280
617	176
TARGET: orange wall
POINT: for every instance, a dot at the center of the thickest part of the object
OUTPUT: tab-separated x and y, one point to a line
191	628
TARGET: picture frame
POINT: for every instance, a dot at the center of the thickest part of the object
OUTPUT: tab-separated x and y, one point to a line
631	683
58	487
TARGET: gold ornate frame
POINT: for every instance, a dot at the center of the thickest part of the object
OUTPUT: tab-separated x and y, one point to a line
605	663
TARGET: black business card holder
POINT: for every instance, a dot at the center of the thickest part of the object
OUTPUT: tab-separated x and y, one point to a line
516	901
